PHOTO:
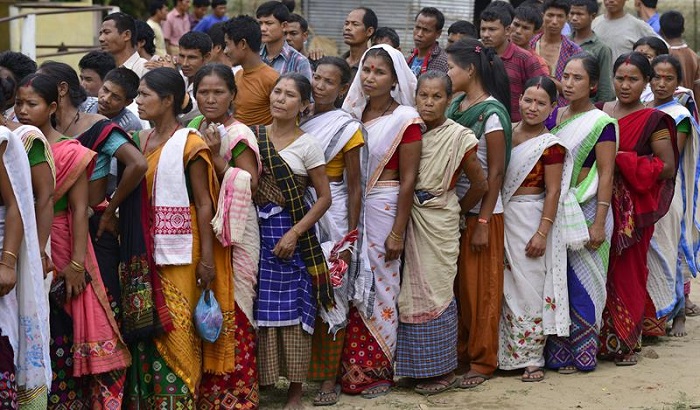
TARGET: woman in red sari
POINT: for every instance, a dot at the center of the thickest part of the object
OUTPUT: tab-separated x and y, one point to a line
88	355
644	181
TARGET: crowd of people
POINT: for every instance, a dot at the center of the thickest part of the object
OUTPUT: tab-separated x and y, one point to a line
523	199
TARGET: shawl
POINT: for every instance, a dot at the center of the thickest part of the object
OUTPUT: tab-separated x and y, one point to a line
432	240
475	118
333	130
274	168
555	320
145	313
26	317
404	92
639	198
29	135
172	237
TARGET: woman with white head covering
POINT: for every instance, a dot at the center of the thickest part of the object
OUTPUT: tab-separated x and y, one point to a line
382	97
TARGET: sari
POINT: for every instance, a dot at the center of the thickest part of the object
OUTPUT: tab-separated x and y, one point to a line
427	332
535	294
479	283
236	226
333	130
168	369
639	200
25	369
675	244
89	357
586	269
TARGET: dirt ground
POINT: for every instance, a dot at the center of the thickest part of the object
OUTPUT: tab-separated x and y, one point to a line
666	378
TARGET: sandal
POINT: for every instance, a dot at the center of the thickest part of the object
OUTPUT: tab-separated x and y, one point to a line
692	310
473	379
436	386
626	360
378	390
536	375
327	398
567	370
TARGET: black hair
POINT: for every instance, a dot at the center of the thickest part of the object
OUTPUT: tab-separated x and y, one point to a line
63	73
564	5
668	58
220	70
650	3
18	64
275	9
463	27
123	22
126	79
638	60
590	64
100	62
216	34
488	66
200	3
387	33
498	11
434	13
145	33
302	84
656	44
369	19
592	6
215	3
196	40
165	82
295	18
340	64
43	84
547	85
672	24
290	4
244	28
154	6
436	75
384	55
533	3
530	15
7	91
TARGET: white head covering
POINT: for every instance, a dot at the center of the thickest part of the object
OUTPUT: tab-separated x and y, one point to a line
404	92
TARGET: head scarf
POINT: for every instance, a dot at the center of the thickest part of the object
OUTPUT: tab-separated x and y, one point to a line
404	92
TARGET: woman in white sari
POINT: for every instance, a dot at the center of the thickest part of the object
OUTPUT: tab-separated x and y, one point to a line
674	247
382	96
25	366
535	296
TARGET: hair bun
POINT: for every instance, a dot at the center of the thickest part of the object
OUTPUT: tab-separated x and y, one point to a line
186	103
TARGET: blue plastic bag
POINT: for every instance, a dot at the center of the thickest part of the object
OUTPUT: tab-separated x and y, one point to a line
208	318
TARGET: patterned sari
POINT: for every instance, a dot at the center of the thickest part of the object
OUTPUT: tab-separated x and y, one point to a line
639	200
587	269
89	357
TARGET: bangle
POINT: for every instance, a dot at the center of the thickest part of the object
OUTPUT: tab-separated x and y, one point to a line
3	263
548	220
77	267
540	233
483	221
205	265
393	235
295	230
604	203
9	253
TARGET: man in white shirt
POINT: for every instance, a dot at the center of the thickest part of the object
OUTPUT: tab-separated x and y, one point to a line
118	37
618	29
159	11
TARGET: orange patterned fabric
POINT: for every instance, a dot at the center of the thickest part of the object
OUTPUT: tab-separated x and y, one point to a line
552	155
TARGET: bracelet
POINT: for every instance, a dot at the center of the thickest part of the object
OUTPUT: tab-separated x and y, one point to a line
483	221
77	267
205	265
393	235
3	263
548	219
10	253
604	203
541	234
295	230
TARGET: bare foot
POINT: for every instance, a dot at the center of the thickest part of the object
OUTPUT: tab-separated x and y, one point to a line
294	397
678	327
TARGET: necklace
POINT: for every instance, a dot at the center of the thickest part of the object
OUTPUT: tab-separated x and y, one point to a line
75	119
539	131
391	102
472	103
148	138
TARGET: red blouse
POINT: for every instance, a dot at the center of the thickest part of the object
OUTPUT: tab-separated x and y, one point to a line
412	134
550	156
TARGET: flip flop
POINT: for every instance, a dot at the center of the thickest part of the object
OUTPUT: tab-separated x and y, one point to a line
567	370
626	360
321	397
377	393
527	375
441	384
474	376
692	310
